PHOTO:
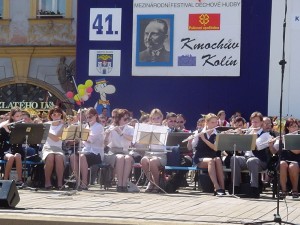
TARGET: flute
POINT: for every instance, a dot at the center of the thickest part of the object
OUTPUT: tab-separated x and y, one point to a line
19	121
198	134
276	138
109	128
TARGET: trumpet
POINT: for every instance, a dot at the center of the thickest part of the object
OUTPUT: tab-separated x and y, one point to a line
198	134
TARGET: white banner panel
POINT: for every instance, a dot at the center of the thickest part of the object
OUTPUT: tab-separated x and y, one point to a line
291	80
105	24
104	62
186	38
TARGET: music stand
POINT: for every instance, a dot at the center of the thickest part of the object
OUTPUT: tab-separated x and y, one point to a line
292	141
75	132
232	142
154	137
28	133
176	138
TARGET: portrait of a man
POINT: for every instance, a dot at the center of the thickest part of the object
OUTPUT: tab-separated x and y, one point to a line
154	45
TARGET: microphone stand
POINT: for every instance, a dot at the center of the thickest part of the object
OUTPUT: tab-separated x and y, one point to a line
282	62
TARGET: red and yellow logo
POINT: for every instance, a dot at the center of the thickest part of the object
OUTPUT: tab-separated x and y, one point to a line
207	21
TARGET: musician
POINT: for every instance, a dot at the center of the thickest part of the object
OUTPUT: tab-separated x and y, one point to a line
119	137
207	157
255	161
12	153
52	153
93	150
180	123
221	119
154	161
290	160
239	124
192	143
268	126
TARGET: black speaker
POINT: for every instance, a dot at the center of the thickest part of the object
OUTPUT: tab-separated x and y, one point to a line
9	195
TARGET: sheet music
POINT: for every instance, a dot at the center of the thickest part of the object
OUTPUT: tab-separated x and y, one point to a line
151	135
72	132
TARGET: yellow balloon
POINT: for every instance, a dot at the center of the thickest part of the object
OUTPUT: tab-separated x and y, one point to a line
89	83
76	98
81	92
81	86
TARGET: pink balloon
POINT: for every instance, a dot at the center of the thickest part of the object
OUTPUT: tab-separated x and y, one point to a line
89	90
78	102
70	94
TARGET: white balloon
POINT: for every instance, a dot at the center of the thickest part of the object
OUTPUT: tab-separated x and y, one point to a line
85	97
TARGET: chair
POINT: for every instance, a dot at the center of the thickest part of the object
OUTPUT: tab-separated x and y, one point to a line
103	178
2	165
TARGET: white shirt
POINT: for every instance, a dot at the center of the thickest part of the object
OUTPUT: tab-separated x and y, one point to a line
55	131
95	141
261	142
118	141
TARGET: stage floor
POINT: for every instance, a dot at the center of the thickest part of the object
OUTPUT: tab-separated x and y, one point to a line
110	207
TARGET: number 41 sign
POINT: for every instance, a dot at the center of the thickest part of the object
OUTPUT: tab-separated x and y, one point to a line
105	24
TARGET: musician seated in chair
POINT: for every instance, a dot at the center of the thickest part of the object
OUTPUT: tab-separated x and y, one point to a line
52	153
255	161
207	157
12	153
93	150
119	137
152	163
290	160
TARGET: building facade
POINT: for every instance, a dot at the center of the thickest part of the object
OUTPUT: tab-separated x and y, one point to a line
37	53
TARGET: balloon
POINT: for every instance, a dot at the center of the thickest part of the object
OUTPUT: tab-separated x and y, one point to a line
78	102
76	98
70	94
85	97
89	90
81	92
89	83
81	86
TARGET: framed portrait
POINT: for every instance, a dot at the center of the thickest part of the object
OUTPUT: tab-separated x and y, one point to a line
154	40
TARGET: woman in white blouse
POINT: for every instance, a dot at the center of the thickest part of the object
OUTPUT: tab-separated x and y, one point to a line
93	150
52	153
119	137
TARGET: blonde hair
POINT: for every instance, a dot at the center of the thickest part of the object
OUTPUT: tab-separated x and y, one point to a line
209	116
156	112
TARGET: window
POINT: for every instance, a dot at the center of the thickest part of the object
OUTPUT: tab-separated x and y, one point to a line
1	8
51	8
4	9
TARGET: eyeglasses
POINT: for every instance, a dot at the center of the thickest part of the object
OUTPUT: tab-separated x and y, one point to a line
179	121
294	126
56	114
90	117
172	121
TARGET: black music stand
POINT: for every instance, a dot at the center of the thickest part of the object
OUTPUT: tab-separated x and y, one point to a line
232	142
292	141
175	139
28	133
